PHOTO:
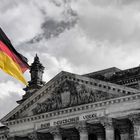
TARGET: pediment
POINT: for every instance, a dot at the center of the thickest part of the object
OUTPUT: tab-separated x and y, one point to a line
67	90
69	94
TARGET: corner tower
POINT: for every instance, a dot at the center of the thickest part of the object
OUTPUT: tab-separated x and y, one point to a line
36	82
36	70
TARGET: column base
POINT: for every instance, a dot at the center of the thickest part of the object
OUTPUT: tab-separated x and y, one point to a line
125	136
83	136
110	134
57	137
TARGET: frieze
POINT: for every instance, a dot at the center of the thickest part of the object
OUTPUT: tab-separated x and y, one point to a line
69	94
57	123
66	121
74	109
90	116
19	112
70	120
45	125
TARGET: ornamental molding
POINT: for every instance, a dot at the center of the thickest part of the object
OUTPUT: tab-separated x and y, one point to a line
82	127
71	110
124	130
96	84
69	94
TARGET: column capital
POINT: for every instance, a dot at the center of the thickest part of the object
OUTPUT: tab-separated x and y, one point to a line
82	126
83	131
124	130
107	122
55	131
135	118
33	135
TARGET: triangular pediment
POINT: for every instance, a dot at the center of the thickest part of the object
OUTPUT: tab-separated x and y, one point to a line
67	90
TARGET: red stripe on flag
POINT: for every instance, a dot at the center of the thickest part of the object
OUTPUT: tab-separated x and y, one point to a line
15	58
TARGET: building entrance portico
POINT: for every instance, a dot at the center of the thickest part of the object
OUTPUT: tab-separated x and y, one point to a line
105	129
102	129
76	107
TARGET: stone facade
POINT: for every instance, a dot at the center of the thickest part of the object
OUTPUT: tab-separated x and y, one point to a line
74	107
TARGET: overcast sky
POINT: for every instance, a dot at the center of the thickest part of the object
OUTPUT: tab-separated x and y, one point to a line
78	36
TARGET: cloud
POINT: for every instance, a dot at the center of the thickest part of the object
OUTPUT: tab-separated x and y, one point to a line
102	33
21	21
105	34
9	96
109	22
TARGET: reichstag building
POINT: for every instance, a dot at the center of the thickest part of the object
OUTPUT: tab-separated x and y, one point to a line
102	105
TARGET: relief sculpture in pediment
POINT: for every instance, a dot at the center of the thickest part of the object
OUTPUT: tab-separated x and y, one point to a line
70	94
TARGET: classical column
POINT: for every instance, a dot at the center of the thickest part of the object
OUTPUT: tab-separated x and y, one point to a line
11	138
109	128
55	131
18	137
100	136
83	132
124	133
6	134
135	119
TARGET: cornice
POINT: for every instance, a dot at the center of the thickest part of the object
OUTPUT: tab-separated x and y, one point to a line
96	84
35	97
72	110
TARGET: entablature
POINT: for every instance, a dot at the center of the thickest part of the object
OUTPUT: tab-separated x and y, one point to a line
61	77
73	110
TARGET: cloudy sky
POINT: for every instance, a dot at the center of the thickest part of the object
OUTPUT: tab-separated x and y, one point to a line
78	36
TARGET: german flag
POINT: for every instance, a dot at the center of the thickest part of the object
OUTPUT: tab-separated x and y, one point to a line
11	61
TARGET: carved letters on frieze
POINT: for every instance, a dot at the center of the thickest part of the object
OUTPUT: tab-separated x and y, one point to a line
69	94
